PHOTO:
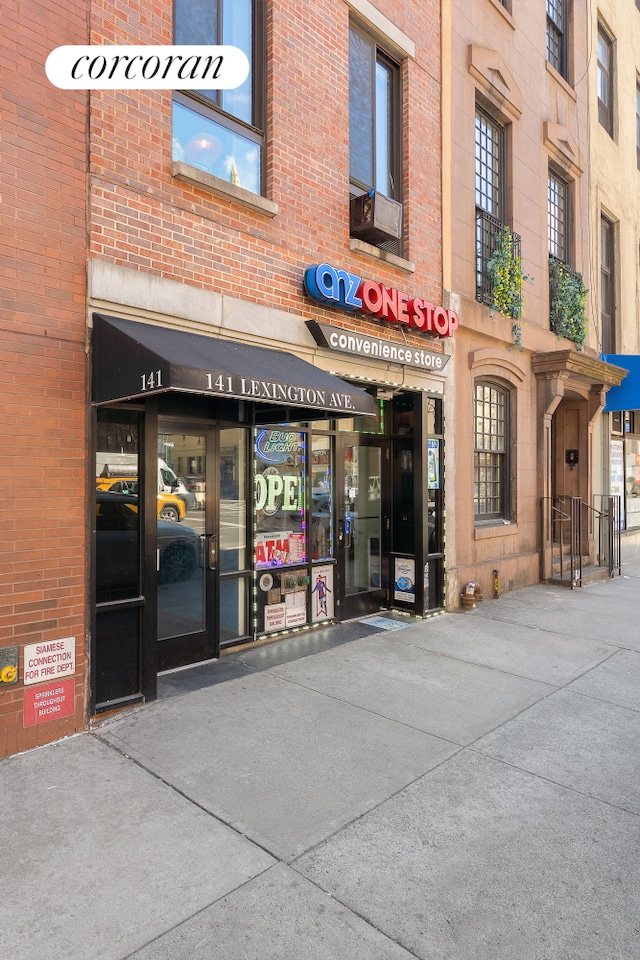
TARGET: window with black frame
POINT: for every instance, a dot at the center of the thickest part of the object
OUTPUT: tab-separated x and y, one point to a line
117	519
605	79
557	22
491	469
222	131
558	217
607	285
373	121
375	131
489	152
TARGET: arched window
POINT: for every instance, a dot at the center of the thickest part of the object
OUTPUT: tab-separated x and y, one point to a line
491	486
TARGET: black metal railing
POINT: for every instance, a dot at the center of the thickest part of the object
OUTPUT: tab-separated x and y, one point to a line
563	522
562	540
607	533
487	230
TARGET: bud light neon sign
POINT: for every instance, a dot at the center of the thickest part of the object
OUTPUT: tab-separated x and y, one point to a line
347	290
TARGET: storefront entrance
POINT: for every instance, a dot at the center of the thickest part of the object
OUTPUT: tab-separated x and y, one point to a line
187	550
222	520
363	524
202	567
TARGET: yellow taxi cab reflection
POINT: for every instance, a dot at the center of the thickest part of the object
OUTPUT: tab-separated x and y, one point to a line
169	506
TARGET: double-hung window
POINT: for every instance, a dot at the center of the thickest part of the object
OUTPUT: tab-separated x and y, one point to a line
491	494
222	131
557	35
558	217
375	134
489	160
605	80
607	285
489	150
375	137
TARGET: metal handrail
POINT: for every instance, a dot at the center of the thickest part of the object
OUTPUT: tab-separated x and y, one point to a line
612	556
558	516
601	515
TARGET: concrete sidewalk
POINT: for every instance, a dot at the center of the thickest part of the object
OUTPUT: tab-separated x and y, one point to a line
460	788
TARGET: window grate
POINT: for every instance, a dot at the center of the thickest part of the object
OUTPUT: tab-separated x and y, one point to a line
487	227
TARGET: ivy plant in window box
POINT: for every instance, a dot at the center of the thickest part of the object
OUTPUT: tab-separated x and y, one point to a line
504	271
567	299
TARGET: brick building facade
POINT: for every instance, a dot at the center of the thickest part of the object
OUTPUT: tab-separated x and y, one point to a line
254	375
44	422
530	388
170	215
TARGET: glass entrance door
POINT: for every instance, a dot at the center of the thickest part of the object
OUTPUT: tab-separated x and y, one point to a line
186	548
363	525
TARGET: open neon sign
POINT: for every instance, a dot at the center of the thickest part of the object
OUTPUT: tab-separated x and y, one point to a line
340	288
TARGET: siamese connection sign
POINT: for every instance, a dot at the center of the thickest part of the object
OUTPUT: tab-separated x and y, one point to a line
186	67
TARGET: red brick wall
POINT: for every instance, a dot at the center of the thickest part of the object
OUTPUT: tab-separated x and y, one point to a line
142	218
43	427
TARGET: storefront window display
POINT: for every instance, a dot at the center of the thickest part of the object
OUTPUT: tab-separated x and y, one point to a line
321	505
281	530
632	482
294	538
280	516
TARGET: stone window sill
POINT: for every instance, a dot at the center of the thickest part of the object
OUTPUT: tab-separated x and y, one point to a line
494	529
369	250
228	191
503	12
566	86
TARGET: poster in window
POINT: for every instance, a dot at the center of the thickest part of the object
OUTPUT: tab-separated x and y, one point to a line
433	464
296	608
280	517
322	594
616	475
275	617
404	579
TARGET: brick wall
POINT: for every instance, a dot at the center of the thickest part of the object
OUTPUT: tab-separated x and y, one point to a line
139	216
43	430
144	219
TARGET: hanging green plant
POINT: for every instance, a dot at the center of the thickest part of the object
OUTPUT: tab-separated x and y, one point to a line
504	272
567	300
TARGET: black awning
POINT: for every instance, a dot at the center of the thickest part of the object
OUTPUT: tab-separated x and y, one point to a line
132	360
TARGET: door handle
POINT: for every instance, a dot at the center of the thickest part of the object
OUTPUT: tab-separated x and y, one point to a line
212	550
345	534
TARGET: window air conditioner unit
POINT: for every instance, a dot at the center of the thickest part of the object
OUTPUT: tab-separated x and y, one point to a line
375	218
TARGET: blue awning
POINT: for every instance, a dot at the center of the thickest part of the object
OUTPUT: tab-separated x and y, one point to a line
627	395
